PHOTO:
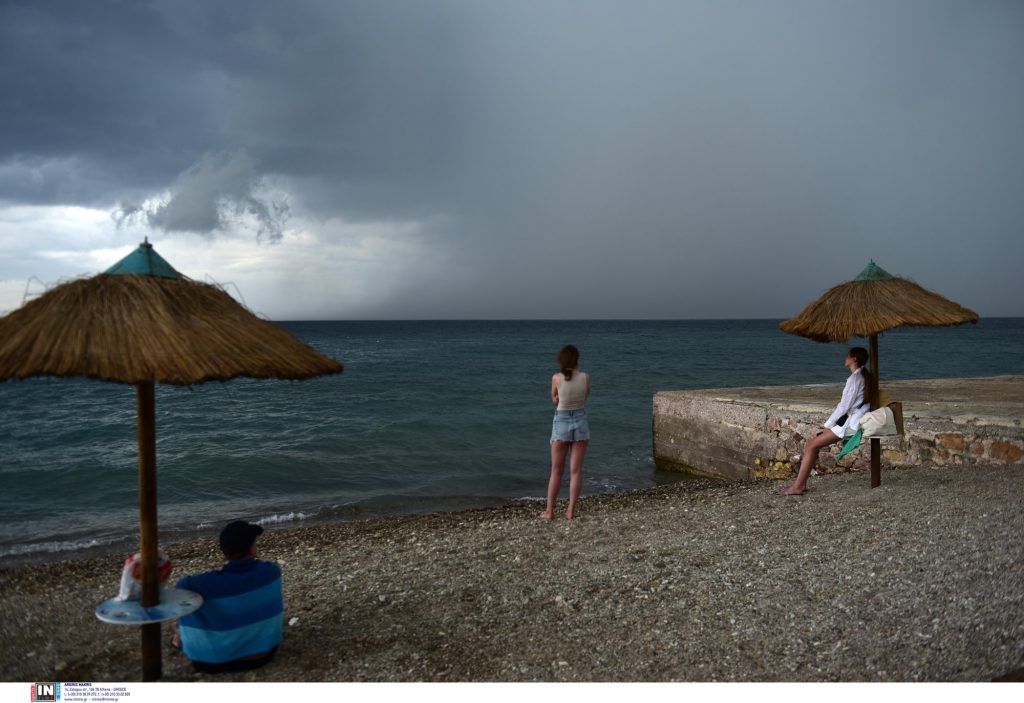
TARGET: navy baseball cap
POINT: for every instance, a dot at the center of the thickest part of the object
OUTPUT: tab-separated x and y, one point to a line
238	536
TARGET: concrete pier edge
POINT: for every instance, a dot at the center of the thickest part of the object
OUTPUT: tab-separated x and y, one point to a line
722	432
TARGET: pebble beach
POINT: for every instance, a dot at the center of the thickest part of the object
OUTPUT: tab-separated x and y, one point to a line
921	579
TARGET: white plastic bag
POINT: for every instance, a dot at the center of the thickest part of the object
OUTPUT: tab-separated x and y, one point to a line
879	423
131	575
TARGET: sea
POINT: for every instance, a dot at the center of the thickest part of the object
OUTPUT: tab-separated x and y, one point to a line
427	416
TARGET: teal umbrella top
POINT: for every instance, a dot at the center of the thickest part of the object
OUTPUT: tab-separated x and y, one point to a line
144	261
873	272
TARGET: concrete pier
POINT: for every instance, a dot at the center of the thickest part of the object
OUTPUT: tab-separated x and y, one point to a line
722	432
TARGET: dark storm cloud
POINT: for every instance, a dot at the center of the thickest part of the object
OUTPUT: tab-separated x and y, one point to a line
347	94
573	159
102	84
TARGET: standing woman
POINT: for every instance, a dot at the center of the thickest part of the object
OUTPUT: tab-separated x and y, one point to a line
844	420
570	432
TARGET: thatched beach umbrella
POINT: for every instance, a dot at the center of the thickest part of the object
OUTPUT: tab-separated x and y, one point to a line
142	322
872	303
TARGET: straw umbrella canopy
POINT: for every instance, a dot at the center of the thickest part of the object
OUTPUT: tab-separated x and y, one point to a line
873	302
142	322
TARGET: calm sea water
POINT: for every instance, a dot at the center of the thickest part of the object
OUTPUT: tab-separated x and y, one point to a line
427	416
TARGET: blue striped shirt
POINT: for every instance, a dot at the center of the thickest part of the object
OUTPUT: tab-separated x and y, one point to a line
242	613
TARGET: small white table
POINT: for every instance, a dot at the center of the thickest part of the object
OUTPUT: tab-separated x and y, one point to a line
174	603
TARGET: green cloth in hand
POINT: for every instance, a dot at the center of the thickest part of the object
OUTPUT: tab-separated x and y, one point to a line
851	444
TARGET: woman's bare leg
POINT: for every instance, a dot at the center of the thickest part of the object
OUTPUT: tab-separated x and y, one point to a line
810	457
579	450
558	452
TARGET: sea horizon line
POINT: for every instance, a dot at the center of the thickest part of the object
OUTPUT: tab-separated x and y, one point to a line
574	319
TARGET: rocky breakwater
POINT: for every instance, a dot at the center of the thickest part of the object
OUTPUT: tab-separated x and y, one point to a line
739	433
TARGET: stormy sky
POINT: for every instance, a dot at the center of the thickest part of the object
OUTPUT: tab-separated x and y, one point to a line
517	159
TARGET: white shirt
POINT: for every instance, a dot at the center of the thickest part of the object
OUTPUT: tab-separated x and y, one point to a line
852	405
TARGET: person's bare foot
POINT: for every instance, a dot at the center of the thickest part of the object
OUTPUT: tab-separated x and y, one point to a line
176	640
570	515
546	515
793	490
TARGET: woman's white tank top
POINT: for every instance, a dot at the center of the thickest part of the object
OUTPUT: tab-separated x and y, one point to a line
572	394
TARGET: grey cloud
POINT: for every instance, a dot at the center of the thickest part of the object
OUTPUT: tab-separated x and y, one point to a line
213	195
702	158
107	86
356	96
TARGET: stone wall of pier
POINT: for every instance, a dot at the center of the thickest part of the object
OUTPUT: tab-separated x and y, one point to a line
736	433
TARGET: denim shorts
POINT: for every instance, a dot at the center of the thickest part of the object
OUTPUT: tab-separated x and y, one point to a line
570	426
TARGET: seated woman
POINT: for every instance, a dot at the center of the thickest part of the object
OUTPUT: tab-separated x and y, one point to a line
844	420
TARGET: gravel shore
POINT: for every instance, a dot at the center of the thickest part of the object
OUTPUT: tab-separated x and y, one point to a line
921	579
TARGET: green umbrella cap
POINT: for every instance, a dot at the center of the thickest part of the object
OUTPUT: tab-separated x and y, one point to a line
144	261
873	272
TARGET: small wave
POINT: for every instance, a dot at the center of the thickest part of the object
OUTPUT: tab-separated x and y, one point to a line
283	517
18	550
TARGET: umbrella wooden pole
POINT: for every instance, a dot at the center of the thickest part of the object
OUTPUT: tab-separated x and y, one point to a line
876	444
152	666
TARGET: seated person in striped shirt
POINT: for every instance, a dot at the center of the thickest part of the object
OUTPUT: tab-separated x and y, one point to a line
239	626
